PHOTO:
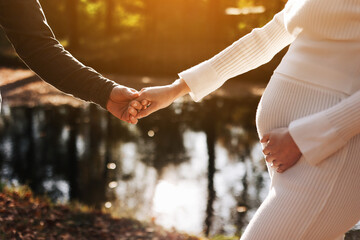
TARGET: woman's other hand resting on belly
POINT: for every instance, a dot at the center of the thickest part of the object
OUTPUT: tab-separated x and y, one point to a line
280	149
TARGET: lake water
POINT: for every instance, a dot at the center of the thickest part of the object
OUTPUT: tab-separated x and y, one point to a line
196	167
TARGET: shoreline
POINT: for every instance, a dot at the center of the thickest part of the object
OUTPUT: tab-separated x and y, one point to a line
21	87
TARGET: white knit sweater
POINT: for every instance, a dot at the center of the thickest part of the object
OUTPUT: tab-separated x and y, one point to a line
326	33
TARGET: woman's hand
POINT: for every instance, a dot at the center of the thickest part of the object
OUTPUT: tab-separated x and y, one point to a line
280	149
156	98
119	103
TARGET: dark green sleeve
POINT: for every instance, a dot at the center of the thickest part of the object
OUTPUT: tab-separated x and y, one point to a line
26	27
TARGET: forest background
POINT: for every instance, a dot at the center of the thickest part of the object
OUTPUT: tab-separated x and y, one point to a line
150	37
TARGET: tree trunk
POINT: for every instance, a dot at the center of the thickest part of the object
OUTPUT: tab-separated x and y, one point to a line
73	22
72	153
210	142
109	17
214	20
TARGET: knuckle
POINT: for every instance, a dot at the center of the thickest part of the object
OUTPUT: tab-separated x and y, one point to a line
266	150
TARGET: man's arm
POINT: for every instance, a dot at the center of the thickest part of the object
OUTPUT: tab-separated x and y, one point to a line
26	27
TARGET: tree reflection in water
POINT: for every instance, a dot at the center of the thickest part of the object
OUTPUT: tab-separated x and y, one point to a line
196	167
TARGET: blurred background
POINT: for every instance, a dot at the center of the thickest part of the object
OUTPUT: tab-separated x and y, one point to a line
155	37
195	167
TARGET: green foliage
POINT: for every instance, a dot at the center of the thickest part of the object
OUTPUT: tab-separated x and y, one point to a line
167	18
245	3
91	7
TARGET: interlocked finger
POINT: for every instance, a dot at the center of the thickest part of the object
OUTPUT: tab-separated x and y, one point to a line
269	158
280	169
132	111
145	102
133	120
266	150
136	105
275	164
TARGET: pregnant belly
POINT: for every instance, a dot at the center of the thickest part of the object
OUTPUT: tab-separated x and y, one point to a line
286	99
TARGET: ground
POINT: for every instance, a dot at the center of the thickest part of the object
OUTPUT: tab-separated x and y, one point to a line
25	217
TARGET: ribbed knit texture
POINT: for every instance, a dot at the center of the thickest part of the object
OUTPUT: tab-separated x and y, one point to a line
249	52
345	117
315	92
322	20
324	51
323	133
306	202
253	50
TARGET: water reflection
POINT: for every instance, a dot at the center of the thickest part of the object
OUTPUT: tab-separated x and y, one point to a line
180	197
196	167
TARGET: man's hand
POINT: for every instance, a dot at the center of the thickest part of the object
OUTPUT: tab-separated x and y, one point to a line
119	103
280	149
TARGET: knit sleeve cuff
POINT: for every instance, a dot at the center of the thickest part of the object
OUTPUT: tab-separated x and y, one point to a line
202	79
316	138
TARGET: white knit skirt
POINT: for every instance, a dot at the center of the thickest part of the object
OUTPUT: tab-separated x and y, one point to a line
306	202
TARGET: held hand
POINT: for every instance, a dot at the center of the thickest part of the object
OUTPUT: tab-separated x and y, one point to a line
280	149
119	103
156	98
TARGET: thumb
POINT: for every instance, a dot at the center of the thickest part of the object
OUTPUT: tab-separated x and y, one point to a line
130	93
143	98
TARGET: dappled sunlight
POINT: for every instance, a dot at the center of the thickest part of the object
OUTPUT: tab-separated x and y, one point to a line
108	205
257	91
23	87
149	37
151	133
60	186
9	76
111	166
146	80
92	7
245	10
113	184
